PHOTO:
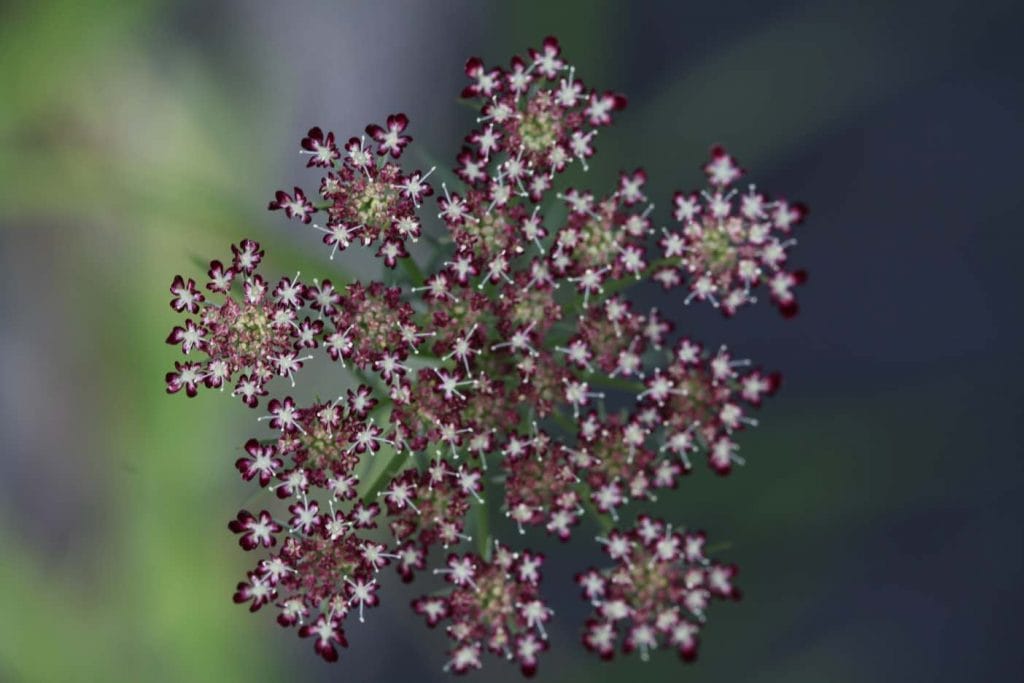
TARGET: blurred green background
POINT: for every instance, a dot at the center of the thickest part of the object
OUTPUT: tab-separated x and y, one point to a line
878	523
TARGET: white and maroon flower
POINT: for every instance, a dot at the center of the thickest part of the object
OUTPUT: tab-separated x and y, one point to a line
256	590
599	109
328	635
722	170
190	337
664	575
547	60
294	206
322	149
305	516
284	415
261	462
484	82
514	320
600	637
186	296
185	375
255	531
247	255
414	187
518	77
631	187
727	252
389	138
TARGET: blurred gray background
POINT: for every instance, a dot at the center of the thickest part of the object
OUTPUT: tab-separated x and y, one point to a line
878	522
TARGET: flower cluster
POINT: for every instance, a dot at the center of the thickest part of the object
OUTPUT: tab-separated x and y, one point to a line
493	605
364	198
512	370
728	243
249	338
655	593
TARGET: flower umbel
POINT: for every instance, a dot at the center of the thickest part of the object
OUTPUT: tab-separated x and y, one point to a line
511	370
655	593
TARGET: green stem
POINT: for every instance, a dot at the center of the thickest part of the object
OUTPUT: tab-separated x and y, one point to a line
483	532
613	286
411	269
564	422
616	383
717	547
258	494
430	239
372	381
603	520
384	476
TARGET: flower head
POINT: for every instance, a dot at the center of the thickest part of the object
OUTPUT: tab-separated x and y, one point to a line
493	605
251	334
364	200
511	369
729	242
655	594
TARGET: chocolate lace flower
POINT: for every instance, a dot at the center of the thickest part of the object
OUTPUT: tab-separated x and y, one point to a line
365	200
730	243
655	594
251	334
508	369
493	606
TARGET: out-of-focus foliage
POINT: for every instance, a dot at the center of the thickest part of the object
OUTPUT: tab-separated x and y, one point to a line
875	520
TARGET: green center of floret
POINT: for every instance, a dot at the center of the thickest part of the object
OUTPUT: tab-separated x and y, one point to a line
252	331
494	598
649	580
533	305
322	446
377	322
598	244
717	249
372	204
613	459
539	131
492	233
